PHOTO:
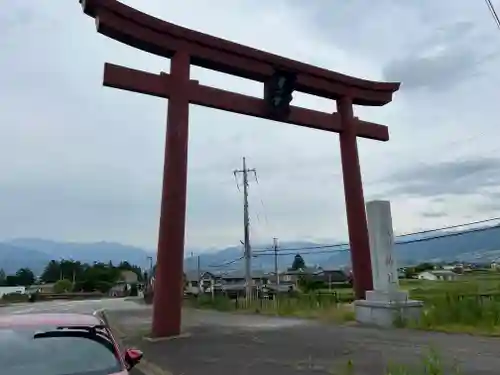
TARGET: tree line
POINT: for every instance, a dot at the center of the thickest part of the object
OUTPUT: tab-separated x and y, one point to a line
73	275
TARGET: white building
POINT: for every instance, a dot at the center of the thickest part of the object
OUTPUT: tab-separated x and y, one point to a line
12	290
437	275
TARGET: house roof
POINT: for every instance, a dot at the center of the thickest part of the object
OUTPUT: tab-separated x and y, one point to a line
240	274
284	287
128	276
334	272
440	272
46	285
302	271
236	286
194	276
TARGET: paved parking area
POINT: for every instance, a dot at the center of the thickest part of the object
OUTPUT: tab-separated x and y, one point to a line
228	344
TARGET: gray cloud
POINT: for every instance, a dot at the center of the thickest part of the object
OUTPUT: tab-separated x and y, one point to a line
439	72
439	64
433	214
448	178
82	162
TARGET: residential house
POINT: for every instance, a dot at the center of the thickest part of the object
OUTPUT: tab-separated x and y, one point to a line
329	277
47	288
402	272
129	277
435	275
292	277
332	277
120	289
234	283
236	277
198	282
124	283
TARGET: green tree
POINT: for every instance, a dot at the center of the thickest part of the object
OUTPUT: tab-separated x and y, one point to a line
424	267
25	277
52	272
3	277
86	277
11	280
298	263
308	284
98	277
63	286
71	270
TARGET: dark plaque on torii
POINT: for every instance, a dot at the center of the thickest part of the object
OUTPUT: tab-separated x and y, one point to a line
280	78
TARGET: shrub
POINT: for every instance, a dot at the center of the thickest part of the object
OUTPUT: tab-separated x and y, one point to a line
63	286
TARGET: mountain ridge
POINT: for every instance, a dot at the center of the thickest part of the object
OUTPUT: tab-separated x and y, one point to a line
475	245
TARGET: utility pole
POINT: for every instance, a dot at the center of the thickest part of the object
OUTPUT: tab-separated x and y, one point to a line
149	273
246	223
198	271
275	246
276	272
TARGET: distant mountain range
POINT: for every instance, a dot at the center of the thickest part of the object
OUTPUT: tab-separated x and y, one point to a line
35	253
474	245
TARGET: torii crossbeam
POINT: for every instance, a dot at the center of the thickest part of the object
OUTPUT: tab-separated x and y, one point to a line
281	77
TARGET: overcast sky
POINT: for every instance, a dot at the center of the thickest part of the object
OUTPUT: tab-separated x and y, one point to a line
82	162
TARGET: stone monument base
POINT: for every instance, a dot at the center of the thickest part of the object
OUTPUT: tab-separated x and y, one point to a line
387	309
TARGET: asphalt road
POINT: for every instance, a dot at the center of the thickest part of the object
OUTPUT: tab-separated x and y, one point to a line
83	306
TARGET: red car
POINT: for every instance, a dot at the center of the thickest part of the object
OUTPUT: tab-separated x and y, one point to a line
61	344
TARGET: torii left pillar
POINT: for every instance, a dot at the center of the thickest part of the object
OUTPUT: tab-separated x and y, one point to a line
170	257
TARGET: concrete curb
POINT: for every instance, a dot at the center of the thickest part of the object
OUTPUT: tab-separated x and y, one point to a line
145	366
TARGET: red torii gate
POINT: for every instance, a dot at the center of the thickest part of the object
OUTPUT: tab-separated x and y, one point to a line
281	77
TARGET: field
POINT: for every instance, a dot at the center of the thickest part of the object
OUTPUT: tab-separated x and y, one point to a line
470	304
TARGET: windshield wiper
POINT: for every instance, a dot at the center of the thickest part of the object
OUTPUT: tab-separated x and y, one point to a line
92	327
88	334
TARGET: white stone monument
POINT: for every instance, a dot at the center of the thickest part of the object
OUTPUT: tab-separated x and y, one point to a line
386	303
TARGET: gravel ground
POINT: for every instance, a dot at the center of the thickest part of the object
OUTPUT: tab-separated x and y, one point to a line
227	344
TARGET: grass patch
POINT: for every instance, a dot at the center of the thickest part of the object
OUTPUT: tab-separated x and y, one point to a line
470	304
453	312
309	306
429	364
8	299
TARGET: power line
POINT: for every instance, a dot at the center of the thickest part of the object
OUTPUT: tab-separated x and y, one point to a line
303	248
491	8
226	263
347	249
328	249
400	236
451	227
397	243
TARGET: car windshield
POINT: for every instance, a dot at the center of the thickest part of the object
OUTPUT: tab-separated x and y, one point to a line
63	354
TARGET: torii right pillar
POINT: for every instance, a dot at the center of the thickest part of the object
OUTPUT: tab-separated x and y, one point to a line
354	200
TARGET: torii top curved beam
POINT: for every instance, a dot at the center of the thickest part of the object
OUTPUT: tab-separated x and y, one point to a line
142	31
